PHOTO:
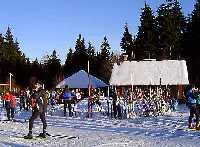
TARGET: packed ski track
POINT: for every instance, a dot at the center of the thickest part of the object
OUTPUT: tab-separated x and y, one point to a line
101	131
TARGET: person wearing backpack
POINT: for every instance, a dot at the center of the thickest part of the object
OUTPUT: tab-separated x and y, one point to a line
191	103
39	107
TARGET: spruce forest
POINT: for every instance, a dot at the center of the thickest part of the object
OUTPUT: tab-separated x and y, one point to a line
165	34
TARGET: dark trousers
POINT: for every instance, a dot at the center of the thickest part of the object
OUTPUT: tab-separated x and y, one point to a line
28	103
197	114
119	111
67	104
65	107
10	113
70	109
35	114
22	102
193	112
115	110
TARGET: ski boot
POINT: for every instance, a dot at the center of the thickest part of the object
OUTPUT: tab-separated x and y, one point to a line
42	135
29	136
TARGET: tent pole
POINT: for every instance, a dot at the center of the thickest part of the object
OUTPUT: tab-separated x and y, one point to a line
89	92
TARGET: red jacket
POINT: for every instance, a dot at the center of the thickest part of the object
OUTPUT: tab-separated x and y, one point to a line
8	97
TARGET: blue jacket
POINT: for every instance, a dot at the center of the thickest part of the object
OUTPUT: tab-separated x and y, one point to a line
190	98
67	95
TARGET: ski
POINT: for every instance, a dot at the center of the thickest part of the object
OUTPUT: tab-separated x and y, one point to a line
35	138
63	136
57	136
14	120
19	120
188	129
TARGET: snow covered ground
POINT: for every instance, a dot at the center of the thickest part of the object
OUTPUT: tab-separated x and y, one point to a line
101	131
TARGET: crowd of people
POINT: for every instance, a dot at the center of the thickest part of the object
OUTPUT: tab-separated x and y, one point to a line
37	99
54	96
125	103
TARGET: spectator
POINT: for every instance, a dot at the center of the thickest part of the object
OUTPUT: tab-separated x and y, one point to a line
10	104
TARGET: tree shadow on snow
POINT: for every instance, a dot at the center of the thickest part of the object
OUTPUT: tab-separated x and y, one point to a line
156	127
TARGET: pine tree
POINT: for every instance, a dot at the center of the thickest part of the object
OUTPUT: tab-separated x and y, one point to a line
191	44
127	43
35	68
9	54
80	46
146	41
1	48
180	27
53	70
194	30
9	36
91	51
2	59
18	51
104	61
68	66
80	58
92	59
105	49
21	73
171	26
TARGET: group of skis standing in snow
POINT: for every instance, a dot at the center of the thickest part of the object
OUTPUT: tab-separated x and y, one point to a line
143	102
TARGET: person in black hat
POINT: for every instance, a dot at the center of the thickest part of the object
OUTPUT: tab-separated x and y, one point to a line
39	106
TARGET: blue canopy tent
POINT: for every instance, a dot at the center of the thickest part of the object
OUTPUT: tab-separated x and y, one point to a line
81	80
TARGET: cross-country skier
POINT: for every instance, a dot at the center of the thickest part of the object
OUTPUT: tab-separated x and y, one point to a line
39	106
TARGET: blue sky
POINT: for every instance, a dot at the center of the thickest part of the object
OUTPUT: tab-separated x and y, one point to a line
43	25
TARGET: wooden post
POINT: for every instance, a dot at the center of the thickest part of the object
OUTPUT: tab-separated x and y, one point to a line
89	92
108	98
150	90
10	81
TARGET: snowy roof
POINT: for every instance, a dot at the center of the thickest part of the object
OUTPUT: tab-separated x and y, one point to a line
166	72
81	80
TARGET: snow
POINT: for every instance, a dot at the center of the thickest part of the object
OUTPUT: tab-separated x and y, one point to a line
170	72
101	131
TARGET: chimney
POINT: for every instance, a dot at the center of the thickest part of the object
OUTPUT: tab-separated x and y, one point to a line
125	57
